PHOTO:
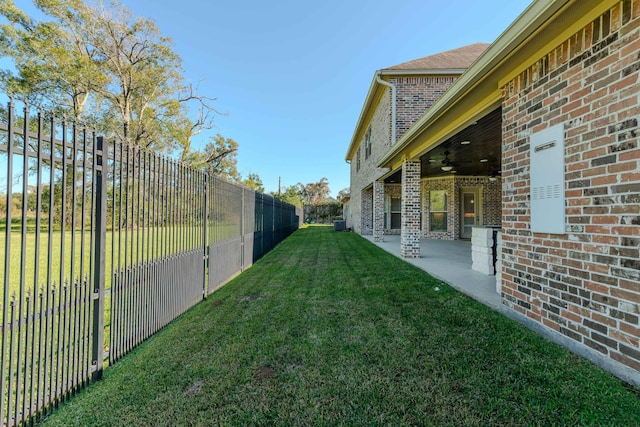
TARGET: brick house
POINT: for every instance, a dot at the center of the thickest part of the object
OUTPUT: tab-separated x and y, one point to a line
549	114
397	98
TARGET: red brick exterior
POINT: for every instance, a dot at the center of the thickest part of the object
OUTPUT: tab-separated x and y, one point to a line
585	283
410	233
378	210
491	203
415	95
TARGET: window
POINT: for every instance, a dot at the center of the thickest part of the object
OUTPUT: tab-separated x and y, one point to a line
358	160
393	212
438	210
367	144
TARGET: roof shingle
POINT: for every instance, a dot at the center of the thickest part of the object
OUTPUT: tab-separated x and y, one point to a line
461	57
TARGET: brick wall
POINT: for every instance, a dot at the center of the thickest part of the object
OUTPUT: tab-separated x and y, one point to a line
491	195
585	283
361	199
378	210
415	95
410	233
366	220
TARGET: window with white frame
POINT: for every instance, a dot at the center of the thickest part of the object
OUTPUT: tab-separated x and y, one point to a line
393	212
438	211
367	144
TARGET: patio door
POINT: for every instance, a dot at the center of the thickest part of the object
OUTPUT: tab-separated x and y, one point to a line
469	210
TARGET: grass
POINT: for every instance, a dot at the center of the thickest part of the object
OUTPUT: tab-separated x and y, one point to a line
328	329
130	243
128	247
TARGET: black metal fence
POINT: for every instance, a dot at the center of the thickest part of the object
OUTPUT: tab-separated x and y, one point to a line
104	244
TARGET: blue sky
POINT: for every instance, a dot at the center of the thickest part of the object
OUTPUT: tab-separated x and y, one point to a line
291	76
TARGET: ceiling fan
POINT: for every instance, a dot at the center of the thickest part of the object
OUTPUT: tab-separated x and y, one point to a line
447	165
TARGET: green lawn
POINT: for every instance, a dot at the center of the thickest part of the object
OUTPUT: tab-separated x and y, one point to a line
174	240
329	329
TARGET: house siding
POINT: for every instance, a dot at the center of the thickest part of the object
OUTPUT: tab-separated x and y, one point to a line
585	283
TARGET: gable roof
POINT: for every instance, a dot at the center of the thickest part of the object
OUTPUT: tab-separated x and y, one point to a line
461	57
450	62
480	86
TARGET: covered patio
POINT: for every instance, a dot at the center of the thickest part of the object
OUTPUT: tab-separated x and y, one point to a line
449	261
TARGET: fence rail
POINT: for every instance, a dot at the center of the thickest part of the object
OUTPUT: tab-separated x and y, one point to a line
104	244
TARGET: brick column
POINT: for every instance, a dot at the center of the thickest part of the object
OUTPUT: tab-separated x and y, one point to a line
378	211
410	232
366	212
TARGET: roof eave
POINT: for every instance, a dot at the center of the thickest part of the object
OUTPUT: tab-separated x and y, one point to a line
422	72
515	34
374	87
365	108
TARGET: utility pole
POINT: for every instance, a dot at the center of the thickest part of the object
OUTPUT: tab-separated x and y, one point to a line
278	186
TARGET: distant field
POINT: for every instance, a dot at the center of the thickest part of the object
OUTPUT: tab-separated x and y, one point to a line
132	246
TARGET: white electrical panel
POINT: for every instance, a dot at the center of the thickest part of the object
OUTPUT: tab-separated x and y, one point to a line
547	181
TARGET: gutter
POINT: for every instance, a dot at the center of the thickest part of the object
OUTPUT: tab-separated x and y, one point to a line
393	105
525	25
375	86
422	72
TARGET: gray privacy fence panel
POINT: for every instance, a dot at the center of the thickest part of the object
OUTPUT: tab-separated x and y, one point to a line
103	244
225	261
157	220
225	216
249	226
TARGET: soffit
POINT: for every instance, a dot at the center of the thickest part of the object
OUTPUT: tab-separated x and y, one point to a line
481	157
477	92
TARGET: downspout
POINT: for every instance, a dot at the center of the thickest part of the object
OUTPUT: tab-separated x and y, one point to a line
380	237
393	105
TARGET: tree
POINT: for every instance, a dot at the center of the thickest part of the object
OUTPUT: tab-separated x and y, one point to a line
344	195
291	195
53	63
218	157
315	193
143	71
105	67
254	182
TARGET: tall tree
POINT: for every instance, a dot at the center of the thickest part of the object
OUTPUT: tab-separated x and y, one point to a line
55	60
291	195
143	71
90	55
254	182
218	157
315	193
344	195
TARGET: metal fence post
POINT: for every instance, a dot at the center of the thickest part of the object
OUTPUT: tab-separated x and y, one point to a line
205	222
242	208
100	216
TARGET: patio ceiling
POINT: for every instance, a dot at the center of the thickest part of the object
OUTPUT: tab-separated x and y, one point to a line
480	157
